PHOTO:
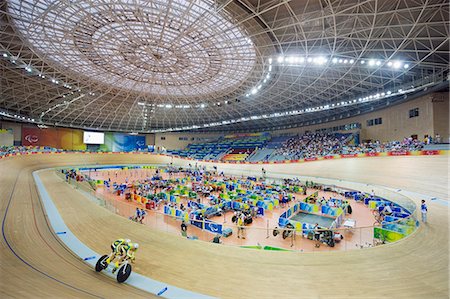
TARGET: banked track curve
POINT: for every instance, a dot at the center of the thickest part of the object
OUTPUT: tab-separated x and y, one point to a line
36	264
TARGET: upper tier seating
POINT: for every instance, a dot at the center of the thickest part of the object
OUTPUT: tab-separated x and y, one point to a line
216	150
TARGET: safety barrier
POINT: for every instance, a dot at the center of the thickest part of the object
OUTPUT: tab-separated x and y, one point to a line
353	238
345	156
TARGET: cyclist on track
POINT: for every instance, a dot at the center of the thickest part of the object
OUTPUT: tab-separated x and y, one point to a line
115	248
126	252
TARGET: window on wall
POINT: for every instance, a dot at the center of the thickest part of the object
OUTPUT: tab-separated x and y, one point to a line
182	138
163	137
374	122
414	112
378	121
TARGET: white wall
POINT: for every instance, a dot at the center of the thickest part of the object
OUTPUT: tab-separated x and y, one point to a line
172	140
6	138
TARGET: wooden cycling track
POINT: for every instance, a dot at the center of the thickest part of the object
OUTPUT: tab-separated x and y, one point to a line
35	264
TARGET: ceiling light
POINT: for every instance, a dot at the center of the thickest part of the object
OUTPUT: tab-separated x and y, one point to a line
309	59
254	91
270	60
389	63
351	61
362	62
280	59
168	106
345	61
388	92
334	60
5	55
378	62
397	64
371	62
340	60
322	60
406	66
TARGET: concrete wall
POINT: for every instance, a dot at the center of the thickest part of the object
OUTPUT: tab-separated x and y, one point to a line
150	139
6	138
172	140
15	127
441	113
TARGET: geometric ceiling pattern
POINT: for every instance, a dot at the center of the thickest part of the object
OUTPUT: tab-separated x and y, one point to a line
146	66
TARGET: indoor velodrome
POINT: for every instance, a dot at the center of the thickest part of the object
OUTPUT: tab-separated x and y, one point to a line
190	149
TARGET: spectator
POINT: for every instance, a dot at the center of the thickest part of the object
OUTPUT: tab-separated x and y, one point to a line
217	239
387	210
137	215
143	214
240	225
424	211
437	138
184	229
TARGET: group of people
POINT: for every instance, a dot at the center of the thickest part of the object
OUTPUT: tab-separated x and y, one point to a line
71	174
5	150
407	144
311	145
122	250
139	215
241	219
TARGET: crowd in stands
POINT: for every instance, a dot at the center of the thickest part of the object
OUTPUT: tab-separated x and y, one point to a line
6	150
321	144
305	146
311	145
408	144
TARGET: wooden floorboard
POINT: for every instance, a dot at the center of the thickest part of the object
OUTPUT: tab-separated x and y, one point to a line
416	267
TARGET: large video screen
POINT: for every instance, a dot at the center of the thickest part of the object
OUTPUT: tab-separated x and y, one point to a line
93	138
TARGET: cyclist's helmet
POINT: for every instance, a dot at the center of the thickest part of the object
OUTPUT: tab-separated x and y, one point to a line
127	241
135	246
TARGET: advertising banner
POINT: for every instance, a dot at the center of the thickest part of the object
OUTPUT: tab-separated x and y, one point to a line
213	227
